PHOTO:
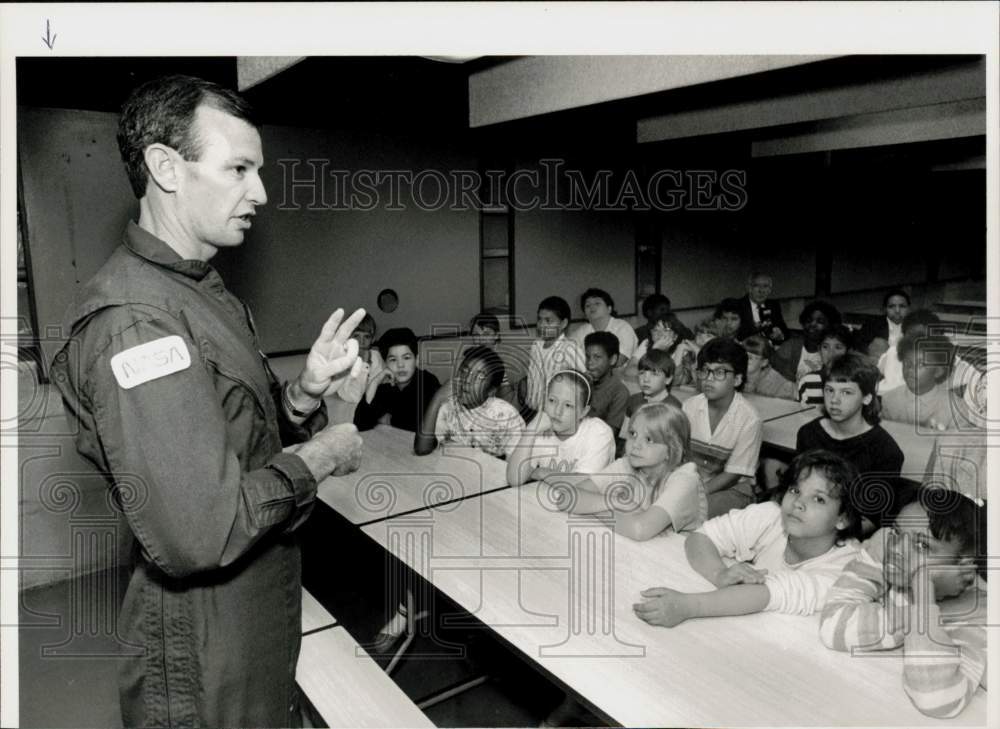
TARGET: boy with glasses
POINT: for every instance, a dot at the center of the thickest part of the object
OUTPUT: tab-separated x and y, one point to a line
725	429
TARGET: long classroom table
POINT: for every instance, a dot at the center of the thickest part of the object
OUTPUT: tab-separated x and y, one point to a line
579	581
393	480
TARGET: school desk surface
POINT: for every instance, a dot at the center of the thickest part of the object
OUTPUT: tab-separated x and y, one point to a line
576	582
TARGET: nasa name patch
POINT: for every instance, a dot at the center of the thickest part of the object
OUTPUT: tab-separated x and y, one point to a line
150	361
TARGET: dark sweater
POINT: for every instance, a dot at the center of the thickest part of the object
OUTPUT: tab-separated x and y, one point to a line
405	406
877	457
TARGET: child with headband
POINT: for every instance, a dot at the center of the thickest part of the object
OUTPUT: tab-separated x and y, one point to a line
561	437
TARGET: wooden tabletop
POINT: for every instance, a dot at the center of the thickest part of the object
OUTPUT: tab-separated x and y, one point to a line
576	582
393	480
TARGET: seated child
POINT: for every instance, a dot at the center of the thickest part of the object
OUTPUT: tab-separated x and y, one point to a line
465	412
914	585
926	398
656	307
664	338
704	332
849	427
598	307
609	396
915	324
561	438
762	379
728	318
356	383
878	335
401	392
551	352
781	555
655	486
800	356
726	431
656	372
485	331
836	341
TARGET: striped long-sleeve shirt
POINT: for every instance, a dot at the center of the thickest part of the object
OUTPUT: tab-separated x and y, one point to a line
864	613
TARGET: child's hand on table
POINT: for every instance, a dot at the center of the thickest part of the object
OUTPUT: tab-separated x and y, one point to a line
739	573
664	607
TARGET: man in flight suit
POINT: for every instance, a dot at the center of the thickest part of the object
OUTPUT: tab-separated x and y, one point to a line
175	402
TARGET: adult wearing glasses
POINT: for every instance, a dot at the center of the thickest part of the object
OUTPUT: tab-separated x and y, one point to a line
726	431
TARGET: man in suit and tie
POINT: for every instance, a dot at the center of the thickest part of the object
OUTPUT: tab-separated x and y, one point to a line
761	315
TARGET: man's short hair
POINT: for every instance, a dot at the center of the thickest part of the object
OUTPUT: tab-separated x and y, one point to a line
759	274
605	340
162	111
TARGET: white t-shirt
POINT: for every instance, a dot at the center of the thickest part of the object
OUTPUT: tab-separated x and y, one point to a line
494	427
589	449
755	534
681	494
627	341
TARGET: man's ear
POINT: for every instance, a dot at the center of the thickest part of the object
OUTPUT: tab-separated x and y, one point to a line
162	166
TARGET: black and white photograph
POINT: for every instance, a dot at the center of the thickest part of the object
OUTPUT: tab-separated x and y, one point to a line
498	365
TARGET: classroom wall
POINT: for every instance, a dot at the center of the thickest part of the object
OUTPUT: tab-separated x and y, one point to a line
295	265
77	201
298	264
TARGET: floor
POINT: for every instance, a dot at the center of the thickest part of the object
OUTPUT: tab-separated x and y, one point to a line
73	683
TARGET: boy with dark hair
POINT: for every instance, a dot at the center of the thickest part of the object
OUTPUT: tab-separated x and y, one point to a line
610	396
726	431
914	585
402	391
551	352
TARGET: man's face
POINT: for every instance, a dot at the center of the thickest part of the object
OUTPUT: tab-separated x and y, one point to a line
218	193
759	289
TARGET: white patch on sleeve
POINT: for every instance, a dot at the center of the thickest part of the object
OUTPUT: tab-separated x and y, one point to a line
149	361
